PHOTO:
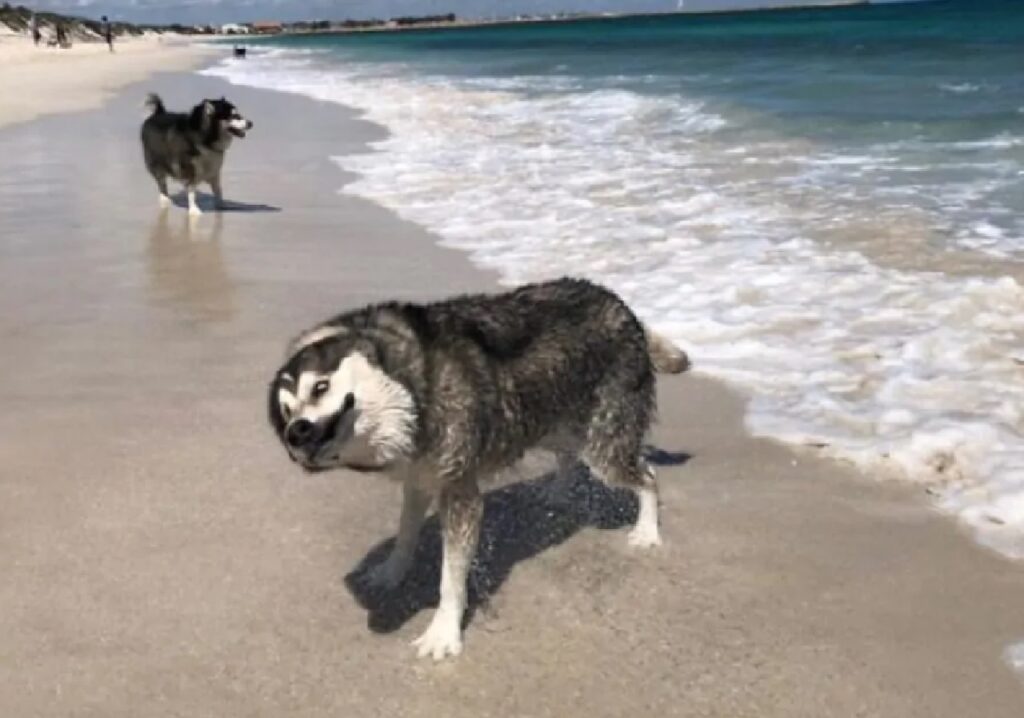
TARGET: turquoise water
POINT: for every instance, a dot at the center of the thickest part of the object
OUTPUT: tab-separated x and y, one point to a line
825	207
932	94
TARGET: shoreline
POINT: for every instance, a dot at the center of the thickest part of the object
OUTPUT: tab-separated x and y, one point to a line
179	560
36	81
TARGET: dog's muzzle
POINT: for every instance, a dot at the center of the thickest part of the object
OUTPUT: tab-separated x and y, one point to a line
301	433
239	127
308	441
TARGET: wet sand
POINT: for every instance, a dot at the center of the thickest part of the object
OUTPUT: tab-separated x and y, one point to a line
162	557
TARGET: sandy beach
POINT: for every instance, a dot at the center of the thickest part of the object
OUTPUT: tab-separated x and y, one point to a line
41	80
162	557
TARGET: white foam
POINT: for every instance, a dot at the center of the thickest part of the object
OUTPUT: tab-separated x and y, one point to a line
1002	141
960	88
911	374
1015	657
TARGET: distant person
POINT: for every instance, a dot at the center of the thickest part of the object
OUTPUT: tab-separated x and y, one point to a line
108	32
33	26
62	36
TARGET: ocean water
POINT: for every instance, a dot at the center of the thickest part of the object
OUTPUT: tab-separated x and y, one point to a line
825	207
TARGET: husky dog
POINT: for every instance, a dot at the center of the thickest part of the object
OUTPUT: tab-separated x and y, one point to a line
190	147
442	395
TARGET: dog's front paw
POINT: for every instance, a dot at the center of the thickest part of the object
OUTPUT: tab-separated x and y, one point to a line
195	212
164	201
441	639
644	537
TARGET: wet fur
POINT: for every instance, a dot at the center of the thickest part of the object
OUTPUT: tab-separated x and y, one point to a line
563	365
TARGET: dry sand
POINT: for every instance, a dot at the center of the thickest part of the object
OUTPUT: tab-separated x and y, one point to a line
161	557
41	80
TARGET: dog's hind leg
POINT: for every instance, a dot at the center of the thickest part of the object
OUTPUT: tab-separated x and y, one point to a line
613	451
637	475
391	571
646	532
461	512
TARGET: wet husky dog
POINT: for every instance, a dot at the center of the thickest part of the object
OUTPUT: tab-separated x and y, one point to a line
190	147
442	395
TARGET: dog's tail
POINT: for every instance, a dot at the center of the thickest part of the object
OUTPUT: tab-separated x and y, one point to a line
154	104
665	356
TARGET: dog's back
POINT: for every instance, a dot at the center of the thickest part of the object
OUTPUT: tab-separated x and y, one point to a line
551	352
543	335
566	311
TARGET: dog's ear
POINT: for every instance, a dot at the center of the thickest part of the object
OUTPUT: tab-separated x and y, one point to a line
312	336
201	114
281	403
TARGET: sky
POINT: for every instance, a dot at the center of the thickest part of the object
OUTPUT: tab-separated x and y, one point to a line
221	11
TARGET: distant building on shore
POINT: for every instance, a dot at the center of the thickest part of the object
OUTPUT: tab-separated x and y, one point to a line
267	27
233	28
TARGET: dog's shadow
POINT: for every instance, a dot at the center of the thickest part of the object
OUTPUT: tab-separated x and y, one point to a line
520	521
207	203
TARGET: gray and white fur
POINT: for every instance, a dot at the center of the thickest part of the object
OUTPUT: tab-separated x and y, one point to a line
190	147
443	395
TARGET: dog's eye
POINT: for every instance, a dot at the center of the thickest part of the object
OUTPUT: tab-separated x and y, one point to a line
320	388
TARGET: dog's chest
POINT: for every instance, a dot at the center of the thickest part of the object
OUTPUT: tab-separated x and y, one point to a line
207	164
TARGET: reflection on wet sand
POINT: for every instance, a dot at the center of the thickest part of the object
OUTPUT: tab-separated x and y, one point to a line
187	268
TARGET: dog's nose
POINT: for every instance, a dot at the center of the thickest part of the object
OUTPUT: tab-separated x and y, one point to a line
248	124
299	433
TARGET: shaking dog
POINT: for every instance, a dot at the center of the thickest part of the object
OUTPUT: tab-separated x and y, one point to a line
442	395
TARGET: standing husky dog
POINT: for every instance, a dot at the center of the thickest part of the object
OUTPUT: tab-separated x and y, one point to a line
442	395
190	147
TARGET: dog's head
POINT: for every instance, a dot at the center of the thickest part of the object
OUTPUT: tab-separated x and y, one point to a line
219	119
333	405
